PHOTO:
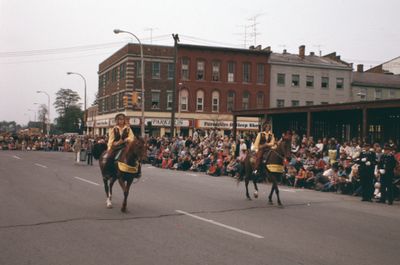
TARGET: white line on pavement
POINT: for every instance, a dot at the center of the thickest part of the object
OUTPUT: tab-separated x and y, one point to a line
287	190
40	165
194	175
220	224
17	157
88	181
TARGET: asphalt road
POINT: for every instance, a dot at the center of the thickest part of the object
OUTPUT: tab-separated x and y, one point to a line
53	211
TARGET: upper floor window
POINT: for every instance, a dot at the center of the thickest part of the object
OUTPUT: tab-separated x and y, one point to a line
183	103
171	71
339	83
246	100
324	102
392	93
215	101
200	70
280	103
122	71
310	81
200	100
281	79
215	71
155	100
231	101
114	73
295	80
260	73
362	94
107	78
295	103
138	65
309	103
155	70
185	69
324	82
246	73
231	72
260	100
378	93
169	100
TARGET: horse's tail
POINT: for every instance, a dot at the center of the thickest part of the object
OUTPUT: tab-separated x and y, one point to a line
98	149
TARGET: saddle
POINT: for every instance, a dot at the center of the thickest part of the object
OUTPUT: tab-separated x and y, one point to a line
127	168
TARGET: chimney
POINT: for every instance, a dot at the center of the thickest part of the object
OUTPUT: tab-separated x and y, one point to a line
284	51
312	53
302	51
360	68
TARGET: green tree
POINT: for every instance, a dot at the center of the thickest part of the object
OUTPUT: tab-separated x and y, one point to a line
65	98
71	121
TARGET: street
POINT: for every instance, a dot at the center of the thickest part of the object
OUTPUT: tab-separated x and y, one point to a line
53	211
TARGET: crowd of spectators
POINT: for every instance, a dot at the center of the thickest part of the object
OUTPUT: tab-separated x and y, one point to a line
322	164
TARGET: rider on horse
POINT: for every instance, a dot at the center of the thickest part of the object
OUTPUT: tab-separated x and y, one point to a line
118	136
265	140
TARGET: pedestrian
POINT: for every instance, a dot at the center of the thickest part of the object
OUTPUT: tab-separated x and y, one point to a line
77	149
89	152
386	169
367	162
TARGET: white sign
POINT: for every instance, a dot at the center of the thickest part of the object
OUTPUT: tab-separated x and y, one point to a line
89	123
167	122
134	121
102	123
244	125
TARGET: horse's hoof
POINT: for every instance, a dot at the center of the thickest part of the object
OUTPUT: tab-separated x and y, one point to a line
248	198
270	202
280	205
109	204
256	194
123	210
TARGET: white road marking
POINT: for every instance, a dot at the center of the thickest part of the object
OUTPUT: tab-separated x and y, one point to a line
40	165
287	190
150	167
194	175
219	224
17	157
88	181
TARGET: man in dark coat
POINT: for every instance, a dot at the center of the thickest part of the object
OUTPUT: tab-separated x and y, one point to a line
367	162
386	169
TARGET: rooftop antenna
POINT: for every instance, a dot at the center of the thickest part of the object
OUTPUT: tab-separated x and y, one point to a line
245	27
254	26
151	33
319	48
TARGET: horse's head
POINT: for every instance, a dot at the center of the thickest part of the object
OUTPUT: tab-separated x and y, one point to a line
136	149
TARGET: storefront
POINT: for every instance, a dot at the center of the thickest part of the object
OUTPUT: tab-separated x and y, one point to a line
227	126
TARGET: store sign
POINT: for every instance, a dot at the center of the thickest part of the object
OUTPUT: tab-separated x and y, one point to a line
102	123
167	122
89	123
134	121
244	125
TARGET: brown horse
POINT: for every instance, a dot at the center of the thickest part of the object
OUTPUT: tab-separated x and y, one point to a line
126	168
271	168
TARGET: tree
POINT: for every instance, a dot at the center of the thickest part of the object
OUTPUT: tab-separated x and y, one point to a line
65	98
43	116
96	99
71	121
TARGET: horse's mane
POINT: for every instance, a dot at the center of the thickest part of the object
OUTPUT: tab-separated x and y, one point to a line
98	149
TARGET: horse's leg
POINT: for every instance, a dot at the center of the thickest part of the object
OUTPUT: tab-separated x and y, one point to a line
256	189
246	182
107	189
121	182
277	191
109	200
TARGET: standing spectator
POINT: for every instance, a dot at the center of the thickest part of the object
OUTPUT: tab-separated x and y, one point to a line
367	162
77	149
386	169
89	152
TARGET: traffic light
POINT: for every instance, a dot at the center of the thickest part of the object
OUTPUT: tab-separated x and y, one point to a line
135	98
125	100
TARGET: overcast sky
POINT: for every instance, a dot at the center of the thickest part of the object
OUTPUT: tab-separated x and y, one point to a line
41	40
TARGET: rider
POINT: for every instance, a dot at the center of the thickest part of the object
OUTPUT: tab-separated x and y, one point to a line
265	140
118	136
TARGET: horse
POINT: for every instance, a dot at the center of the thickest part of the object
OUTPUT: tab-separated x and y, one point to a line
271	168
125	169
247	175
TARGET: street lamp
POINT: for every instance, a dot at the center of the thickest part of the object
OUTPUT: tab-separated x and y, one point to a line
48	109
84	80
117	31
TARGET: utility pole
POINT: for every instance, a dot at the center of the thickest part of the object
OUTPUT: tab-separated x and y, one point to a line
172	129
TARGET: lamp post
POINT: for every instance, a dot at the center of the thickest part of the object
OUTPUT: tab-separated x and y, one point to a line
117	31
84	98
48	109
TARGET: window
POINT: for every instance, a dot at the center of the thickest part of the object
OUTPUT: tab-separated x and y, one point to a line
231	72
260	73
169	100
245	100
155	100
171	71
122	71
231	101
339	83
295	103
185	69
295	80
200	70
378	93
392	93
324	82
101	84
215	101
280	103
114	102
120	100
107	78
138	69
324	103
184	95
215	71
281	80
155	70
309	103
114	73
260	100
362	94
310	81
106	104
200	100
246	73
